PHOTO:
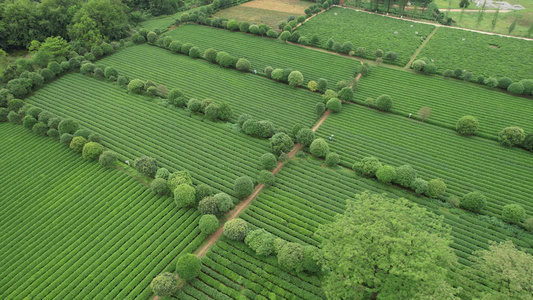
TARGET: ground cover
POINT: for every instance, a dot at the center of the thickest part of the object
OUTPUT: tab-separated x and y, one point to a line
470	20
254	15
387	34
214	153
245	92
449	100
264	52
73	230
465	164
307	195
483	54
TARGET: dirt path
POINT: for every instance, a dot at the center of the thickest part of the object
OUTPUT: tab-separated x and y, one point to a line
420	48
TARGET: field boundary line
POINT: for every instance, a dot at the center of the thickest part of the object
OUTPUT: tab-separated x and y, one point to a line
420	48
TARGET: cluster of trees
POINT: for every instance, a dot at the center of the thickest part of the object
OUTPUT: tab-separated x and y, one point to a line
188	267
293	78
424	65
262	128
404	176
383	102
319	6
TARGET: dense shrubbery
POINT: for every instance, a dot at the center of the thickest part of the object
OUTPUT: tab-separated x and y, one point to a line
474	202
243	187
208	224
513	213
146	166
511	136
467	125
188	266
236	229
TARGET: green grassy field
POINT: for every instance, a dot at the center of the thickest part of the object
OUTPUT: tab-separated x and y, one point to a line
132	126
264	52
348	25
245	92
464	163
73	230
449	100
164	22
504	21
508	57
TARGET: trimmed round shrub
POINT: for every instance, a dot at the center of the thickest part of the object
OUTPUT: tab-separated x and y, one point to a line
45	116
95	137
368	166
208	206
250	127
92	150
13	117
511	136
419	186
405	175
136	86
528	86
268	161
281	143
346	94
418	65
260	241
305	136
322	85
332	159
188	267
291	257
194	105
185	48
243	187
277	74
233	25
162	173
431	68
347	47
516	88
474	202
272	34
303	40
210	55
54	123
202	191
184	195
384	103
146	166
83	132
208	224
15	105
28	122
212	111
151	37
285	35
504	82
243	65
244	27
226	60
334	105
194	52
47	74
296	78
65	138
319	147
491	82
329	94
53	133
40	129
243	118
448	73
337	47
123	80
108	159
265	177
467	125
164	284
34	112
77	143
4	112
224	111
527	143
312	85
177	178
175	46
224	202
205	103
173	95
436	188
528	224
159	186
236	229
513	213
386	174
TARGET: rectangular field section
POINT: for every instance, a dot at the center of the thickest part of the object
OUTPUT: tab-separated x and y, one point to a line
132	126
73	230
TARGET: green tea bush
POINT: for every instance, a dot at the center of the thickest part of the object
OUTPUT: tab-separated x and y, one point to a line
513	213
319	147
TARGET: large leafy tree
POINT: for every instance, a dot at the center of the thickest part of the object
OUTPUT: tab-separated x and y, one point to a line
109	16
383	248
85	31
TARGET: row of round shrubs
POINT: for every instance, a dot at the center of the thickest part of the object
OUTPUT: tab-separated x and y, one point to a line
188	267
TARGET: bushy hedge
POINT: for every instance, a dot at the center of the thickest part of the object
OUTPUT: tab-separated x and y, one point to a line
474	202
236	229
188	267
208	224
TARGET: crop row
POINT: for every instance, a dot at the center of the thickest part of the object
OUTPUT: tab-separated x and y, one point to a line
465	164
448	99
245	92
387	34
482	54
131	126
264	52
89	232
307	195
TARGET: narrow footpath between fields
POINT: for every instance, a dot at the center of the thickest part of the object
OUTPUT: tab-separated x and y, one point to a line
420	48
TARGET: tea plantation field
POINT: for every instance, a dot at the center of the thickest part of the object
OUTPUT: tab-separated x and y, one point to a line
132	126
448	99
464	163
245	92
262	52
73	230
483	54
387	34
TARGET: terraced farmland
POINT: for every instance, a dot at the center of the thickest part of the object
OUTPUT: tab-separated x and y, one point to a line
387	34
132	126
307	195
465	163
264	52
245	92
71	229
483	54
449	100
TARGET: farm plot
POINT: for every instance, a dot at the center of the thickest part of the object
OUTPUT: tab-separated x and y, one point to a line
449	100
73	230
264	52
387	34
482	54
165	22
465	163
245	92
232	271
132	126
253	15
307	195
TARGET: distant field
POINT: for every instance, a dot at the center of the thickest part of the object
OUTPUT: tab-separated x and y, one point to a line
132	126
510	58
465	163
245	92
73	230
349	25
164	22
264	52
288	6
469	20
255	15
449	100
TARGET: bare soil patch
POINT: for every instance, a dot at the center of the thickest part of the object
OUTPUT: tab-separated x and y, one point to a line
288	6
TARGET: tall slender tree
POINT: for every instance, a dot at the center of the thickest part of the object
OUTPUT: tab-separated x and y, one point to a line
494	20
